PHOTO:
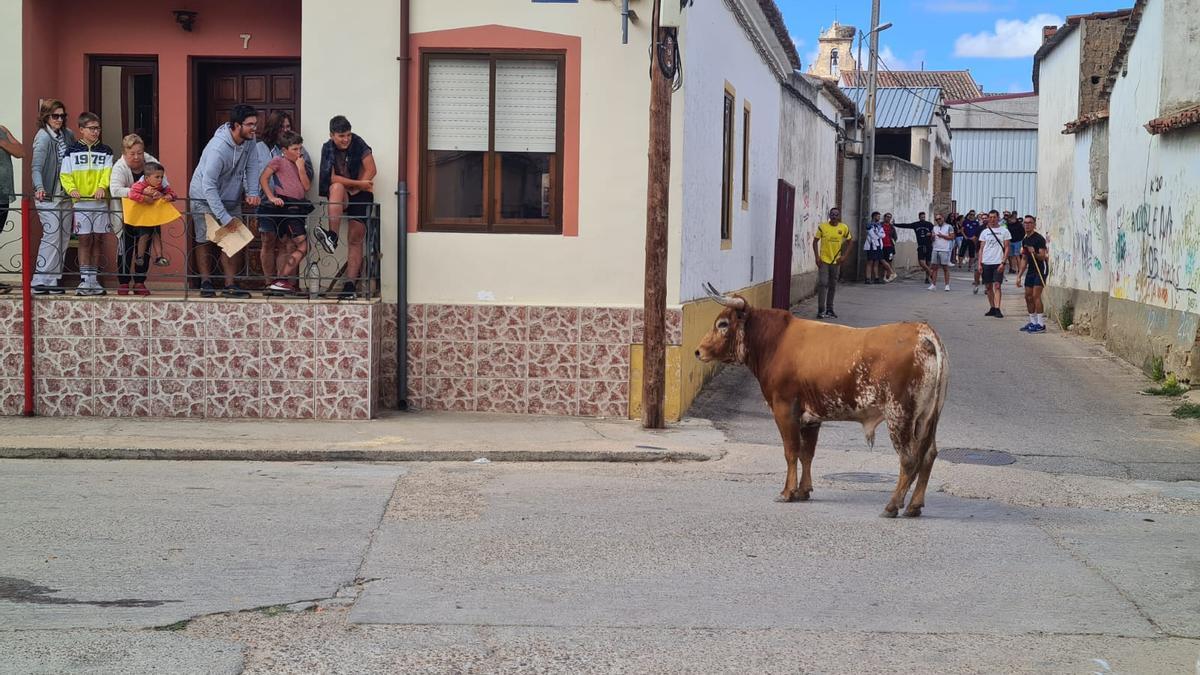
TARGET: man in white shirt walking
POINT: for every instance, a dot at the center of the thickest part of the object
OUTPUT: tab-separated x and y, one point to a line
993	244
943	244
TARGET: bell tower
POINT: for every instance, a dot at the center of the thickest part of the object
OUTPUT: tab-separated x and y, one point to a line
836	53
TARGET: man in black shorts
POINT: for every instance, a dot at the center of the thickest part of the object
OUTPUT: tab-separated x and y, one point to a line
1035	267
347	180
993	251
924	231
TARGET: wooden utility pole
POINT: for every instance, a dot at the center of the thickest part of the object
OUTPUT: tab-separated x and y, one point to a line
654	352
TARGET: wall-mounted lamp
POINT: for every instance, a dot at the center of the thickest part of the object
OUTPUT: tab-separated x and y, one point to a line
185	18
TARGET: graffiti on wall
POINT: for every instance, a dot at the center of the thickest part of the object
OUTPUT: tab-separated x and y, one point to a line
1156	247
1080	247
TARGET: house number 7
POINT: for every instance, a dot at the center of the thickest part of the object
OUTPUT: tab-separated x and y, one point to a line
245	40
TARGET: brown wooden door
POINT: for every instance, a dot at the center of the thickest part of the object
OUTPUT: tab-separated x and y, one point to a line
269	87
785	209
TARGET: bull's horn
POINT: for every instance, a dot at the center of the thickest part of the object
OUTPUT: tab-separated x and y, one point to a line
739	303
736	303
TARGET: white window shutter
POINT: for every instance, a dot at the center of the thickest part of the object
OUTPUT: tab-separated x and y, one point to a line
458	104
526	106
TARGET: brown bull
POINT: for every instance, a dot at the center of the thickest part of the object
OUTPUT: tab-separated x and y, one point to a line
812	372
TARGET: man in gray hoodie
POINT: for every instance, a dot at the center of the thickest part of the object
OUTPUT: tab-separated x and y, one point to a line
225	176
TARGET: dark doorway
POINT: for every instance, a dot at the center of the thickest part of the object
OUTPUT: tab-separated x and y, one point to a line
268	85
123	91
785	212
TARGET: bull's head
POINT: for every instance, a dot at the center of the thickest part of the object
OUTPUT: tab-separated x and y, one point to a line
726	340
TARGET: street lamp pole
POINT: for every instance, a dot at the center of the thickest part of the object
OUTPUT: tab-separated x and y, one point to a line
868	163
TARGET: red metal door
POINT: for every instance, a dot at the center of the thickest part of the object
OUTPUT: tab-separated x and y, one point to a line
785	210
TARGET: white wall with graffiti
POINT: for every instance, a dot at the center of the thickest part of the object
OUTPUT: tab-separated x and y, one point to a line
808	160
1056	163
1082	254
1154	196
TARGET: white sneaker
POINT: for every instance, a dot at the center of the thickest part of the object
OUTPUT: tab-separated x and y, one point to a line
931	287
947	288
975	289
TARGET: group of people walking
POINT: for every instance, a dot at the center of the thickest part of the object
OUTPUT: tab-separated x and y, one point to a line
75	176
988	246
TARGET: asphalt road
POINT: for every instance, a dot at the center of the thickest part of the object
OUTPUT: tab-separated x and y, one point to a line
1079	557
1058	402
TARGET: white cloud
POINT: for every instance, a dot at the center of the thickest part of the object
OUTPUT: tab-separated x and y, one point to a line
890	60
1012	39
966	6
1015	88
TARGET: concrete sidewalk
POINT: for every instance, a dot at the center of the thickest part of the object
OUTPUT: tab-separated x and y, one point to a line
422	436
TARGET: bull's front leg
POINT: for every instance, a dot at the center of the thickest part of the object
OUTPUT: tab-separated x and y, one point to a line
789	430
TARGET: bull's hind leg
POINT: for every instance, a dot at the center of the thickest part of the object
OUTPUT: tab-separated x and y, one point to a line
918	497
901	432
808	448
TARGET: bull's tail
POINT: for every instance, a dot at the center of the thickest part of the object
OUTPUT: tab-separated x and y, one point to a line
933	389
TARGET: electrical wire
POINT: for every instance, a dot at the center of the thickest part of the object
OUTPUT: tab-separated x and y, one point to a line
952	107
666	54
945	105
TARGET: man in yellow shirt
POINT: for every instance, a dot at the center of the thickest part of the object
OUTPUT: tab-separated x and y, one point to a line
830	245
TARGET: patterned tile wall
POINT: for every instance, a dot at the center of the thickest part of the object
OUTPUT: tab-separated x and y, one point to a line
12	363
517	359
153	358
134	357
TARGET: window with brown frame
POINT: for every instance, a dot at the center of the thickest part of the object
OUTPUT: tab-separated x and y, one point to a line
492	142
727	167
746	155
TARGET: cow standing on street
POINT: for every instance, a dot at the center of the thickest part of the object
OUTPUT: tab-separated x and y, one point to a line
812	372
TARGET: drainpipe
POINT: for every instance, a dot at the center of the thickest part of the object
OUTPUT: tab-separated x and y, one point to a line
402	226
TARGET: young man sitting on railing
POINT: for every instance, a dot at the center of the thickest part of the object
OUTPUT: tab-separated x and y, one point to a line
347	179
285	217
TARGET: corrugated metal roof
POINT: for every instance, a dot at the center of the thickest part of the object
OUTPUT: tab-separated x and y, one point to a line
899	107
954	83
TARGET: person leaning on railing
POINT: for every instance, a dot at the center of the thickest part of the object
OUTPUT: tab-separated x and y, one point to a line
277	248
129	169
49	147
86	173
223	178
284	183
9	147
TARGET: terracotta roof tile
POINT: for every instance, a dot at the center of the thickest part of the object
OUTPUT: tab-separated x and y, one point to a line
775	18
955	84
1180	120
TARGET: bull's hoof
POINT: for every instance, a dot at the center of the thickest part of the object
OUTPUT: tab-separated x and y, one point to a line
912	512
889	513
796	495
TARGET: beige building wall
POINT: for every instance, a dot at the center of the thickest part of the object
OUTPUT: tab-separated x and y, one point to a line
603	265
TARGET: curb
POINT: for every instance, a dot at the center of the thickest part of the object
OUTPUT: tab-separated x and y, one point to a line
361	455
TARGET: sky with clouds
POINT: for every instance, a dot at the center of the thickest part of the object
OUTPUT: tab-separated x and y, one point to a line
994	39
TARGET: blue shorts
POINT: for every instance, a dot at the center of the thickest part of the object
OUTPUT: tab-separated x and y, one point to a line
1014	248
875	256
